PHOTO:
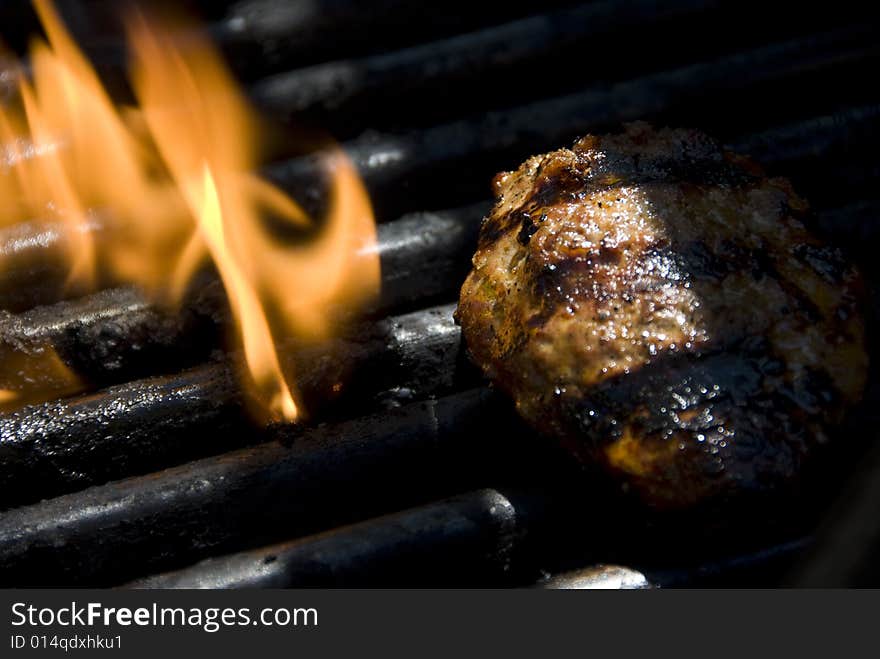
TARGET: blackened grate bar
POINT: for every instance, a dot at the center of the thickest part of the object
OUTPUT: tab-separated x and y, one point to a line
353	93
464	539
477	147
265	35
132	428
306	480
741	570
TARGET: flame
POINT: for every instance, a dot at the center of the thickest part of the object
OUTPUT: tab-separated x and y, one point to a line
255	333
29	377
176	175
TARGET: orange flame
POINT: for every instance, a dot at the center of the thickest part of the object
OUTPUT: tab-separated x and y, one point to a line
176	175
34	375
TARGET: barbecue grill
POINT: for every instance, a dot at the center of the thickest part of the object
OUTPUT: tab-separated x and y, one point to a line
417	473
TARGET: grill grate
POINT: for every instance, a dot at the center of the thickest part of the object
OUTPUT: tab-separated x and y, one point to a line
153	470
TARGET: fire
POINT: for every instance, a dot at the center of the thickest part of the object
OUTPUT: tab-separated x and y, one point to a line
176	175
30	376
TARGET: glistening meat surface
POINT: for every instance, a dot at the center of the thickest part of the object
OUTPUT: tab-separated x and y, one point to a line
657	305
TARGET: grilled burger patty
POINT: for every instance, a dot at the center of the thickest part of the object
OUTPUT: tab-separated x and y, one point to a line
656	304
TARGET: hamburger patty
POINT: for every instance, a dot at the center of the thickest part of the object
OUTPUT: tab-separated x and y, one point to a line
656	304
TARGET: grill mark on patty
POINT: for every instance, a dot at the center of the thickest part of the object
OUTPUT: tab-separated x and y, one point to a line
825	261
695	404
634	172
657	266
663	393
